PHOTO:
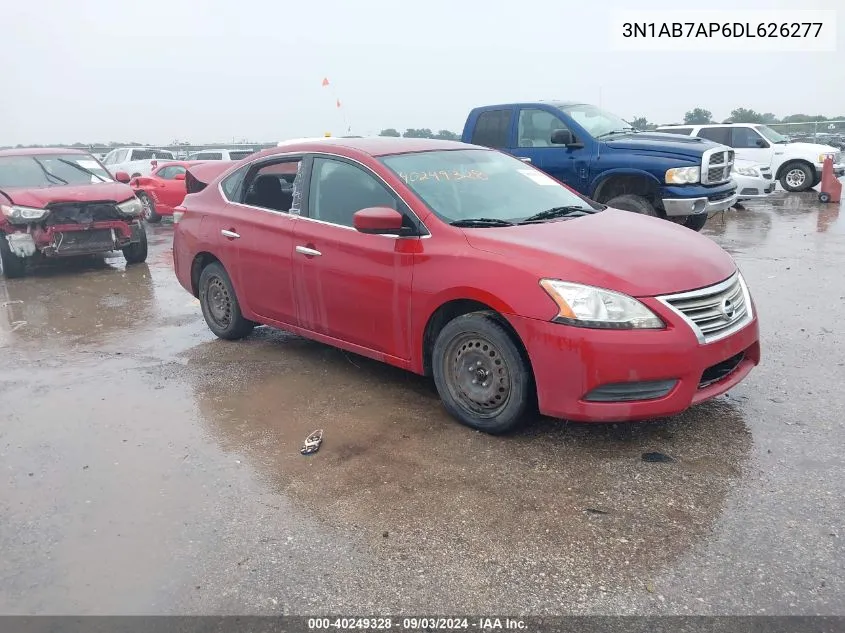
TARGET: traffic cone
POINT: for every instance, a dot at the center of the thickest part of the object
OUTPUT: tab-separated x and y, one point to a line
830	189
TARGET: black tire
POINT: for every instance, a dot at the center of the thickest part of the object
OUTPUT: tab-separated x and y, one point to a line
136	253
695	222
12	265
473	348
148	208
824	197
220	306
630	202
797	177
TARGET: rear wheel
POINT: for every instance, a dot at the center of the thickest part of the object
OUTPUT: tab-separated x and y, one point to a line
11	265
630	202
136	252
148	208
797	177
482	377
220	305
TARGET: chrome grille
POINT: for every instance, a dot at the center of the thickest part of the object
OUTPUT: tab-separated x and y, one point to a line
716	166
713	312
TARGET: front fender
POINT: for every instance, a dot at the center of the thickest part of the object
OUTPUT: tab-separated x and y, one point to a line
604	176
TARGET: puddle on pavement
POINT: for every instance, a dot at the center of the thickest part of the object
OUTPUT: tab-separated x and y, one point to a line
393	461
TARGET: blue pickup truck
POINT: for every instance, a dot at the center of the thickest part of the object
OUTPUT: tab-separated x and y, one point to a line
682	179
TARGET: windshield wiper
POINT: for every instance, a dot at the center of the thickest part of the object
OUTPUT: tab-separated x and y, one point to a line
81	168
477	222
48	173
625	131
571	211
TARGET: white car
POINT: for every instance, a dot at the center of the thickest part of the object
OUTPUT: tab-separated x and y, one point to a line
752	180
136	161
221	154
798	166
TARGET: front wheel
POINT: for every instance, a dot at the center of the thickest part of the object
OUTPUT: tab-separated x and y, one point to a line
148	208
630	202
482	377
136	252
695	222
11	265
220	305
797	177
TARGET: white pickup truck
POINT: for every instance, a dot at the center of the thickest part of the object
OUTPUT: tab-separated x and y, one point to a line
798	166
136	161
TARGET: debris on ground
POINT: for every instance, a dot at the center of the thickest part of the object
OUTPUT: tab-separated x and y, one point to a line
595	511
312	442
657	458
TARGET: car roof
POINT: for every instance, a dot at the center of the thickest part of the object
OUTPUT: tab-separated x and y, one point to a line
40	151
709	125
371	145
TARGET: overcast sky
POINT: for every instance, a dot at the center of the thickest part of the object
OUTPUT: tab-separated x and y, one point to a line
217	70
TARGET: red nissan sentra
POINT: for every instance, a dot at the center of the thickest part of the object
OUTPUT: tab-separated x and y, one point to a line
466	264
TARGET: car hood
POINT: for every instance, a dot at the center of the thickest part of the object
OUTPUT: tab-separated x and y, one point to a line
638	255
810	148
691	146
41	197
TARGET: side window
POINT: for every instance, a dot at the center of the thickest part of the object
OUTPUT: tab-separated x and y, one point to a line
231	185
716	134
492	128
170	172
273	185
676	130
339	189
536	127
746	138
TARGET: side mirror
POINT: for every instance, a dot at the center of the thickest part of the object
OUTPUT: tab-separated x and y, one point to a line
179	176
378	221
565	138
762	143
122	176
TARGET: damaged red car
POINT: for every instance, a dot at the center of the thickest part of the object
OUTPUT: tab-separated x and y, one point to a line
62	203
468	265
162	190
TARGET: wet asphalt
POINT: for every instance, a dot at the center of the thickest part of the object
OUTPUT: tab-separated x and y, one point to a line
149	468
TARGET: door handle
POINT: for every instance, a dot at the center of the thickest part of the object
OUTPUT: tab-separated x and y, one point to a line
525	160
304	250
230	234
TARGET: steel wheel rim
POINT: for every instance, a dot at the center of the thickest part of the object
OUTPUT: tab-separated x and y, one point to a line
477	375
219	302
795	177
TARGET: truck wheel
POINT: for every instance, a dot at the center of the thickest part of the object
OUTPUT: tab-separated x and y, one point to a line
630	202
136	253
220	305
482	377
11	265
695	222
148	208
797	177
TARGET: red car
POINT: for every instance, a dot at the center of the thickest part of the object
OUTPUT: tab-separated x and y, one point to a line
466	264
63	202
163	189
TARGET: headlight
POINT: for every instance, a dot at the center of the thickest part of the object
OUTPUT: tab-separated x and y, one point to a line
16	213
683	175
587	306
747	171
130	207
826	155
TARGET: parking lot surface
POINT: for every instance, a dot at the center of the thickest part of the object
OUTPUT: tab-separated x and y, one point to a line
148	467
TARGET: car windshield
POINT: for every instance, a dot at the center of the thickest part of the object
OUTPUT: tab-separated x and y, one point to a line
771	135
462	185
51	170
596	121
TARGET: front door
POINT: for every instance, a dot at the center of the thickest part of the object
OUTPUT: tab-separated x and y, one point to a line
352	286
534	140
172	190
749	144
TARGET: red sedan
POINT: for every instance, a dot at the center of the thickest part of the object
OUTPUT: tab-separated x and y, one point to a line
162	190
471	266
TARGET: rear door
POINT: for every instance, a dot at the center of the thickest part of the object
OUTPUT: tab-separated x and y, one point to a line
351	286
259	226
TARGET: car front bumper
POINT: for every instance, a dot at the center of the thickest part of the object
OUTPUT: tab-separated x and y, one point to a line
675	207
838	170
748	187
571	364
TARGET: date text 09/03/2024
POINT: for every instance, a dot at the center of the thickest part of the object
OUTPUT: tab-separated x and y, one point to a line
723	29
416	623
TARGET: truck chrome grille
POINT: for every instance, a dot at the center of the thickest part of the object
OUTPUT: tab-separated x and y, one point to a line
716	166
713	312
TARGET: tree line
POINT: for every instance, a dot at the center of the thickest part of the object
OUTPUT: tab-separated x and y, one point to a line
701	116
443	135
